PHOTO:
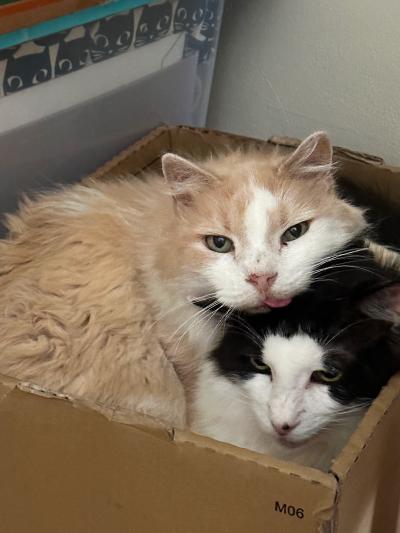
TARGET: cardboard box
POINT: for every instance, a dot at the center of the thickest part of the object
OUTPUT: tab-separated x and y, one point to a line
67	467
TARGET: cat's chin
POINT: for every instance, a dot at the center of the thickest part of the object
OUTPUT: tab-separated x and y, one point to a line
290	442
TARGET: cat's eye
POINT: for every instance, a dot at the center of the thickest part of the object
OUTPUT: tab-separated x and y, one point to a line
123	39
294	232
65	65
260	365
330	375
40	76
164	23
219	243
101	40
197	15
14	82
181	12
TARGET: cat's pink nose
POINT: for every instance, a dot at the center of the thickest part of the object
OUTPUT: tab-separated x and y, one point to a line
263	282
283	429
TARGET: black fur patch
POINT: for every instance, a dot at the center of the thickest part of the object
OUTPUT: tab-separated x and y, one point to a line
365	350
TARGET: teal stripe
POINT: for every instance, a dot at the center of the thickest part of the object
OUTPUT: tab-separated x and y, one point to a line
68	21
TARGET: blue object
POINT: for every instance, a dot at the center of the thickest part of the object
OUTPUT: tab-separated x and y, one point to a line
68	21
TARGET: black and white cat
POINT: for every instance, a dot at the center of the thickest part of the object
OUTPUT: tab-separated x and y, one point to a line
296	382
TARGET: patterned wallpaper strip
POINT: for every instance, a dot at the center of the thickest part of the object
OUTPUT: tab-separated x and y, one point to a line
67	22
64	52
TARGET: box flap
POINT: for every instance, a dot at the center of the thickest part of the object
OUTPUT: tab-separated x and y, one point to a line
10	387
266	461
366	429
368	469
69	469
137	157
292	142
364	168
366	171
309	493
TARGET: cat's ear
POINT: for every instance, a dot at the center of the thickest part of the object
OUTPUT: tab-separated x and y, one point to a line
312	158
184	177
384	304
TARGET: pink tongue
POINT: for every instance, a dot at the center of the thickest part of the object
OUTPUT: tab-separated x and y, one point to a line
276	302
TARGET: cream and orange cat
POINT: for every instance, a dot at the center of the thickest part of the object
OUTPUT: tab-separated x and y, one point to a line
98	285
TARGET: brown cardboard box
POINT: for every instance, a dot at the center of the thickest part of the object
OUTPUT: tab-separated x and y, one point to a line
66	467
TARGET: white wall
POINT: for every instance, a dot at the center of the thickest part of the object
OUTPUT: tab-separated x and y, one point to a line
289	67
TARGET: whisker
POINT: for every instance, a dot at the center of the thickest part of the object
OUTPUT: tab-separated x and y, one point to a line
341	254
197	314
243	327
346	328
203	297
194	321
222	321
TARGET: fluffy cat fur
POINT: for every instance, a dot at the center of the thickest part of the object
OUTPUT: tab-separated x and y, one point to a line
260	389
98	284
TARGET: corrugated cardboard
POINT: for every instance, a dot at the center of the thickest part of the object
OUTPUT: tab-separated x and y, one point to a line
66	466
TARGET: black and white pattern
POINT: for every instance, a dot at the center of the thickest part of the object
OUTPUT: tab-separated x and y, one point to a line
154	23
73	51
204	41
8	52
111	36
295	382
62	53
189	15
27	69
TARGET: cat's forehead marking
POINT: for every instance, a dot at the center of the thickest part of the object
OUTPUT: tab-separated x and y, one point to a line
256	217
291	356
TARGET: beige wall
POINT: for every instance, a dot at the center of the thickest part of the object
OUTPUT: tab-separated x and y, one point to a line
293	66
